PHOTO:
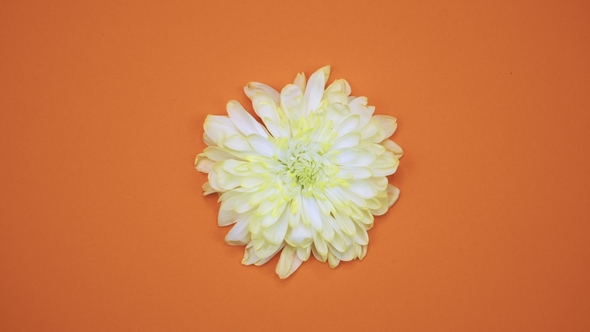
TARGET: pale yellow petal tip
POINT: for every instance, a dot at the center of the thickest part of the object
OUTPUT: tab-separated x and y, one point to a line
207	189
392	194
333	261
326	70
203	164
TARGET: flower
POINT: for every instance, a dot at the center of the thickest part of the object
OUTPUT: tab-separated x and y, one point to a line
308	180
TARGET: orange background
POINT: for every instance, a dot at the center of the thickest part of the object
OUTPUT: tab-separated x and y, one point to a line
104	228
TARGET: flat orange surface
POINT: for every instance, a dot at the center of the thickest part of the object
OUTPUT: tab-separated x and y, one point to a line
103	226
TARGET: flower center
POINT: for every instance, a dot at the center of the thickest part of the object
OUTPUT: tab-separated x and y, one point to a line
304	163
305	167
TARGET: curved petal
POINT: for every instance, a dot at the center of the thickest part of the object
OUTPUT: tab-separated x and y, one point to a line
392	194
239	234
217	126
207	189
288	263
253	88
388	123
244	121
292	102
203	164
300	81
390	145
315	88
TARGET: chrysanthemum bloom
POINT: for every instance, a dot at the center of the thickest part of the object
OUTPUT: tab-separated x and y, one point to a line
307	180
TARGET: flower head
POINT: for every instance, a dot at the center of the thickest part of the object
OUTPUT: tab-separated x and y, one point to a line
308	180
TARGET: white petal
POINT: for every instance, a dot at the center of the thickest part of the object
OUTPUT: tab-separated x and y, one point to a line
388	123
223	179
303	253
386	164
216	125
320	244
317	255
272	115
363	252
254	87
208	140
275	234
265	260
347	255
207	189
337	113
345	223
349	125
212	177
392	194
226	217
332	260
361	237
311	213
328	228
390	145
288	263
346	155
261	145
365	158
218	154
203	164
339	86
355	198
292	102
359	106
237	143
347	141
243	120
354	173
252	181
278	129
243	203
249	255
239	234
300	235
265	249
315	88
362	188
300	81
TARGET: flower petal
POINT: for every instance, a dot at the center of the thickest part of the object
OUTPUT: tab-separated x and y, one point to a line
332	260
392	194
362	188
300	81
203	164
239	234
347	141
288	263
207	189
388	123
254	88
315	89
275	234
261	145
292	102
349	125
217	126
300	235
390	145
311	213
226	217
244	121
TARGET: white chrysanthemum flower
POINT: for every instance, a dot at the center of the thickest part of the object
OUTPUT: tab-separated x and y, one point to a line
307	181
